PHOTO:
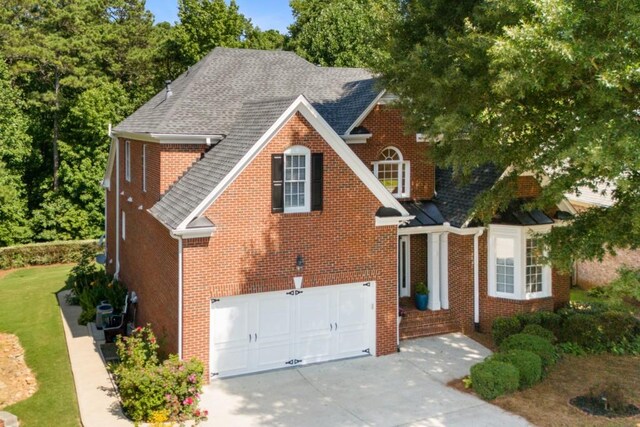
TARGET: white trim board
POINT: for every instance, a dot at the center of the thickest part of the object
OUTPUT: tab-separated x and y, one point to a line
301	105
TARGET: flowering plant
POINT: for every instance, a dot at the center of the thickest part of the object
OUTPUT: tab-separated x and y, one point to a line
150	390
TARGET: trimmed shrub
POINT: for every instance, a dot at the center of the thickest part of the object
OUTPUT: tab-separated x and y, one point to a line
531	318
551	321
582	330
45	253
617	327
539	331
534	344
528	364
504	327
491	379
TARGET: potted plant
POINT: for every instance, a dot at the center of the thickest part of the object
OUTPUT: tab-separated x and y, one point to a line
422	296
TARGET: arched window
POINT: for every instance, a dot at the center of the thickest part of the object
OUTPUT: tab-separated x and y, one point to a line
393	172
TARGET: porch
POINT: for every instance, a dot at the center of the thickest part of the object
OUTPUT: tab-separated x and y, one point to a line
416	323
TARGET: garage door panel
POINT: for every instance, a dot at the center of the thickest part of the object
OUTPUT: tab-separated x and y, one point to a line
351	307
231	321
274	331
312	340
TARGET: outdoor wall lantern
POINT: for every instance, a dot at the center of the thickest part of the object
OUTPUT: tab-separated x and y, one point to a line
299	263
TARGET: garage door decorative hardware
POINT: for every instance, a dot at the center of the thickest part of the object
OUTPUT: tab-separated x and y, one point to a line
293	362
296	292
368	284
214	374
366	350
214	300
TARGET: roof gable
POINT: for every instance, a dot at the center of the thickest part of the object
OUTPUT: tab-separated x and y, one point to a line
258	122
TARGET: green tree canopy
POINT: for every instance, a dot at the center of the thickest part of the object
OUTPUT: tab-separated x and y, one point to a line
551	88
343	33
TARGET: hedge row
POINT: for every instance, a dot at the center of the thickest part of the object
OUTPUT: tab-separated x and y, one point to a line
44	253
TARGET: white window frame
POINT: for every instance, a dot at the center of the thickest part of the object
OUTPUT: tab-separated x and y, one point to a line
127	160
519	235
124	226
144	168
404	173
298	150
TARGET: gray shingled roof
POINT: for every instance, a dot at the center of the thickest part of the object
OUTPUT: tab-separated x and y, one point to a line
253	120
454	200
207	99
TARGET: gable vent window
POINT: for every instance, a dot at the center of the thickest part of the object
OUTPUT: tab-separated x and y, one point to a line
296	180
393	172
127	160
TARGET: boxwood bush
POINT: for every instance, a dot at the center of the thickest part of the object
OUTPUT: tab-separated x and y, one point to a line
492	378
528	364
582	330
539	331
534	344
504	327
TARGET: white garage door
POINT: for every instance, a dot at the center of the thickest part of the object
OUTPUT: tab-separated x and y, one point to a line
257	332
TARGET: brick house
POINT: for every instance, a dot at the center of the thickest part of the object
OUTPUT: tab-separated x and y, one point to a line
268	212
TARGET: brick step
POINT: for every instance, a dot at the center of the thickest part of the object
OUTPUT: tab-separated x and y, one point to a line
408	332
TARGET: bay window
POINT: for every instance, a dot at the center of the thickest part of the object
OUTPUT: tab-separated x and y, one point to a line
514	262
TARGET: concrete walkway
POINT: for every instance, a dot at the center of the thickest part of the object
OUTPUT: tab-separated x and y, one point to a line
97	399
404	389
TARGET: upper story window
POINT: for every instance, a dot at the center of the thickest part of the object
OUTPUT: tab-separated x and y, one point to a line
296	179
515	267
127	160
393	172
144	168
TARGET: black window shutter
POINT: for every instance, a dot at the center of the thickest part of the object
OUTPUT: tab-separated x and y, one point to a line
316	181
277	184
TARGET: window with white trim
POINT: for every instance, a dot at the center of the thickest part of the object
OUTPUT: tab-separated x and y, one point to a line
123	226
297	182
144	168
514	263
393	172
127	160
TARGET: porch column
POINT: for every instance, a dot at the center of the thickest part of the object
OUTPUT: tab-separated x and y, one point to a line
444	271
433	270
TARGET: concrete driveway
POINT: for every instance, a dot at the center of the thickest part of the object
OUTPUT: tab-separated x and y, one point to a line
408	388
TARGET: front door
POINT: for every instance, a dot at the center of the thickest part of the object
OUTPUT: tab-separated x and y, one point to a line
404	274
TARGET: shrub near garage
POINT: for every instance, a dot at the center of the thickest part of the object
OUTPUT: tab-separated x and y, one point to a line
534	344
539	331
492	378
504	327
528	364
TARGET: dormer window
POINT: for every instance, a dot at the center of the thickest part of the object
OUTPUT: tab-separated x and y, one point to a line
393	172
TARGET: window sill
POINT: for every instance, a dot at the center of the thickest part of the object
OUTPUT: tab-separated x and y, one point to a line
518	299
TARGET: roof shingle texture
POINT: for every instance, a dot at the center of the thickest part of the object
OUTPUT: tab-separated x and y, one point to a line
454	199
207	98
253	121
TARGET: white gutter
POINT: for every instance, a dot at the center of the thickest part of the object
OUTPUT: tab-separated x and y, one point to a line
180	298
476	279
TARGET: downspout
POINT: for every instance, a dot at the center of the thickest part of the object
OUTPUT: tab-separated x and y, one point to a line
117	211
476	280
180	297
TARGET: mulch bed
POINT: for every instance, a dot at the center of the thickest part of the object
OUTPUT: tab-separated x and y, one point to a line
594	406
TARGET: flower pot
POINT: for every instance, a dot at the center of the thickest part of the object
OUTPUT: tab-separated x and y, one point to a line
421	301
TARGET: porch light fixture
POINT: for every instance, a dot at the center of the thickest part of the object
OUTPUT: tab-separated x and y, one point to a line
299	263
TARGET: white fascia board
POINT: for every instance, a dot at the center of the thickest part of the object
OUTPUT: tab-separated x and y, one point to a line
366	112
445	228
106	181
360	138
393	220
328	134
162	138
193	233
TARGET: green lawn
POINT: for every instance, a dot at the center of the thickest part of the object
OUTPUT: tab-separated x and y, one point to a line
30	311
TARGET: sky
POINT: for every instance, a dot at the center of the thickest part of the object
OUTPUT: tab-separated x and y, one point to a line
266	14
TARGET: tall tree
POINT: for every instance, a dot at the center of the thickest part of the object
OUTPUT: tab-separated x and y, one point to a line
205	24
550	88
14	150
344	33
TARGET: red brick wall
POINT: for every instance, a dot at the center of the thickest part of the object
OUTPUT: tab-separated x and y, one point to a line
594	273
386	126
461	279
253	250
528	187
418	244
148	255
